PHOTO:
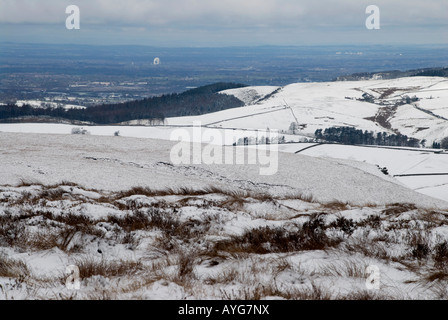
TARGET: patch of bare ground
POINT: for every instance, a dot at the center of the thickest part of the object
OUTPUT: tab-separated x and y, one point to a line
383	116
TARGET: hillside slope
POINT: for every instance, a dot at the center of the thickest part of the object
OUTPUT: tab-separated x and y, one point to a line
416	107
109	163
136	226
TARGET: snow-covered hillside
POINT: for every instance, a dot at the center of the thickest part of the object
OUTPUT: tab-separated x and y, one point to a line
398	162
326	104
117	163
424	171
113	205
135	226
252	95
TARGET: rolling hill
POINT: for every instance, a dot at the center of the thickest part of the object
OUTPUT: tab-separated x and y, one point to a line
412	106
136	225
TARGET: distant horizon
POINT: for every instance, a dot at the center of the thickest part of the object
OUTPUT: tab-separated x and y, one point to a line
233	46
225	23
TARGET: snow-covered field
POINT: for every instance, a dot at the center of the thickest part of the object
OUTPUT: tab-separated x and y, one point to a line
195	133
326	104
47	104
398	162
421	170
135	225
95	161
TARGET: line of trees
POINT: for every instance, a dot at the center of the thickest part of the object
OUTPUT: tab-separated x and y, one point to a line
352	136
443	144
432	73
189	103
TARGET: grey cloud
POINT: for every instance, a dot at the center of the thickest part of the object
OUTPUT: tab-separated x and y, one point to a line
229	21
224	13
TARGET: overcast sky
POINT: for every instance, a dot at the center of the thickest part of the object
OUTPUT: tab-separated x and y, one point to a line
225	22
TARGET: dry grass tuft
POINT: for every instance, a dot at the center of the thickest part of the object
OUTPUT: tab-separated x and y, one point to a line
312	292
369	248
398	208
440	255
12	231
419	245
28	183
10	268
436	275
310	236
186	262
347	226
336	205
89	267
363	295
347	268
